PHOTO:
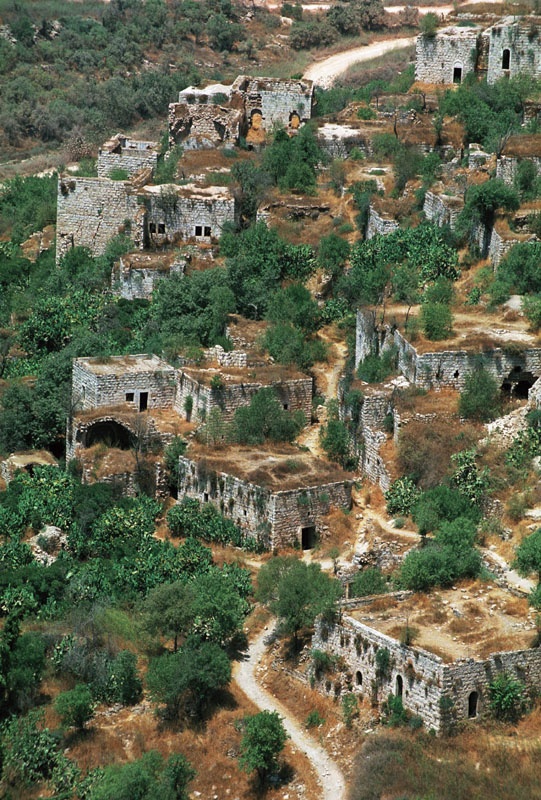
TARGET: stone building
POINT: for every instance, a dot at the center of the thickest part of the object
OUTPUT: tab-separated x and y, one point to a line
442	208
511	355
510	47
137	382
130	155
442	684
277	494
135	275
218	115
517	150
229	387
448	56
26	461
379	225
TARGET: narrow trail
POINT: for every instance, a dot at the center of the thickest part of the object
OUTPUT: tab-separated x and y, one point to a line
329	775
325	72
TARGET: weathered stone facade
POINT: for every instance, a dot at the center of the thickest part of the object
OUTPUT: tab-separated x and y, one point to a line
507	165
442	209
438	692
446	57
131	155
277	100
339	140
135	275
515	49
378	225
91	211
294	395
137	382
201	126
275	518
514	365
25	461
186	212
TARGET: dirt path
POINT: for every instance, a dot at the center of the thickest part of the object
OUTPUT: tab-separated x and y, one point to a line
329	775
325	72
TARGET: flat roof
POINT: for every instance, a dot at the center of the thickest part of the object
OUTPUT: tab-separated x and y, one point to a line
32	457
277	467
160	262
190	191
267	374
118	365
470	620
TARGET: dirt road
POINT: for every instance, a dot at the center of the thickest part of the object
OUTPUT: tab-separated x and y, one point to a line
329	775
325	72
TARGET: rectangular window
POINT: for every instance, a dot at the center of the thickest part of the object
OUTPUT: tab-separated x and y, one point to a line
161	227
199	230
207	230
130	397
152	227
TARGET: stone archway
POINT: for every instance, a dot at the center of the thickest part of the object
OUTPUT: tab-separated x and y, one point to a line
518	383
108	432
473	704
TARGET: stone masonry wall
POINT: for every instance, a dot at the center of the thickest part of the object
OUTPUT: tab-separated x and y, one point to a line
442	209
507	166
274	519
444	368
421	672
198	125
296	394
425	678
138	284
276	99
438	56
181	217
92	210
91	390
129	158
524	46
379	225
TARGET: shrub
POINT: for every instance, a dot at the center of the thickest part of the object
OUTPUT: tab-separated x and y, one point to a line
369	581
393	712
437	320
480	398
375	369
350	709
507	699
314	720
402	496
75	707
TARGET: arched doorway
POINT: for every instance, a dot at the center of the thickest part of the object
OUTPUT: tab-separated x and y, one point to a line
359	678
110	433
399	686
473	701
506	58
518	383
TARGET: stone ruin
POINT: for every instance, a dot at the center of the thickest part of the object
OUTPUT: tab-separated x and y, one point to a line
91	211
510	47
278	494
442	685
130	155
218	115
135	275
26	461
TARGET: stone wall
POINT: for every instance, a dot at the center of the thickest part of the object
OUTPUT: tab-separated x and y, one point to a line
425	679
521	41
379	225
109	387
91	211
438	58
233	358
339	140
446	367
275	519
201	214
200	126
296	395
132	158
277	99
368	435
442	209
137	282
81	431
507	166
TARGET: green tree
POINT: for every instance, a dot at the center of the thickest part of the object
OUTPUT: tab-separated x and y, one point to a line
480	398
169	610
507	699
369	581
437	320
265	419
528	555
263	740
75	707
144	779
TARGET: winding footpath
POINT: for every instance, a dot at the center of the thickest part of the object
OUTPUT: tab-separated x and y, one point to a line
329	774
325	72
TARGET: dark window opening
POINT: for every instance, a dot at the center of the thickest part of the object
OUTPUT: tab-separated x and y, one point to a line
506	58
456	374
518	383
473	700
130	396
161	227
286	406
152	227
359	678
199	230
205	497
457	75
308	537
399	686
207	230
143	401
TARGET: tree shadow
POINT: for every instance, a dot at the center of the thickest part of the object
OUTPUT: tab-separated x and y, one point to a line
260	787
196	720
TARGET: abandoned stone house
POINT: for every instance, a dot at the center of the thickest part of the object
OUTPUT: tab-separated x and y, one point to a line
218	115
91	211
511	356
135	275
26	461
442	683
130	155
278	494
510	47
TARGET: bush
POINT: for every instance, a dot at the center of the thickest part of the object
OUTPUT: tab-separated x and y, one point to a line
76	707
507	700
480	398
437	321
375	369
438	565
350	709
402	496
369	581
314	720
